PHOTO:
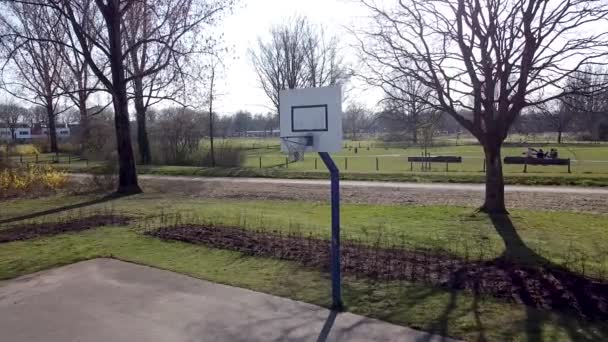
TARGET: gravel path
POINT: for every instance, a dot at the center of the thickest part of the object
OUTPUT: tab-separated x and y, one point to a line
593	200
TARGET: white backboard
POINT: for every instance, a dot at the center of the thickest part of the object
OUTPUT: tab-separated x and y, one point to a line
315	112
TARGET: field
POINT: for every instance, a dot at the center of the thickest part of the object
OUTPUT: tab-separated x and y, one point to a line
574	241
587	158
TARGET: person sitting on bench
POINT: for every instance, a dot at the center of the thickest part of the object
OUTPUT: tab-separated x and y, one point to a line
540	154
530	152
553	153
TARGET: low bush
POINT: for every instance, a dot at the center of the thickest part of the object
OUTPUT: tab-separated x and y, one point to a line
226	155
42	145
31	180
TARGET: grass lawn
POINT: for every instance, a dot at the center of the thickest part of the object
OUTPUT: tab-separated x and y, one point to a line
458	314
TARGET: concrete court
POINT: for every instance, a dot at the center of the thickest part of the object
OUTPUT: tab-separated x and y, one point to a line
111	300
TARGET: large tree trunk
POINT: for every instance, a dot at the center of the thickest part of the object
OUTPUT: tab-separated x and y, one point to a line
495	187
52	127
143	143
127	174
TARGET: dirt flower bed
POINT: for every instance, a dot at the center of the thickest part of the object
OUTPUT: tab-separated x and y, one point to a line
534	285
33	230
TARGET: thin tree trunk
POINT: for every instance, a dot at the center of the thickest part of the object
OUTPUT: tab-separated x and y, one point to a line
211	149
495	188
414	127
127	174
559	136
52	127
143	142
84	122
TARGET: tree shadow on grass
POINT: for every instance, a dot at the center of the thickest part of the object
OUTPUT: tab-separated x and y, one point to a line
558	286
550	293
107	198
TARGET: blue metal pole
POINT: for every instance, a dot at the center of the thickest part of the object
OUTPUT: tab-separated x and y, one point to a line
335	230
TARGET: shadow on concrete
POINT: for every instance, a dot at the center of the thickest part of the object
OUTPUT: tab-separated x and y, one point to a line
107	198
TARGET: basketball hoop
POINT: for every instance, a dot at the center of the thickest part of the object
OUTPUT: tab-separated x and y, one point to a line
296	146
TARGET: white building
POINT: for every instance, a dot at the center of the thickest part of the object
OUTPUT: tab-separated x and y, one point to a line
24	133
21	133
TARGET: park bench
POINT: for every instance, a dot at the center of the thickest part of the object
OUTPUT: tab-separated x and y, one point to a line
525	161
436	159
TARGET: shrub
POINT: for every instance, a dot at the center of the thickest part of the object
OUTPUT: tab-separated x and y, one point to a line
27	149
30	180
226	155
42	145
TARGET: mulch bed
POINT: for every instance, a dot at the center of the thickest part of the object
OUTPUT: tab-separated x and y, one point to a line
34	230
539	286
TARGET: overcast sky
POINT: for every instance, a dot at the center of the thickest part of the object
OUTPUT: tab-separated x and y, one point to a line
254	18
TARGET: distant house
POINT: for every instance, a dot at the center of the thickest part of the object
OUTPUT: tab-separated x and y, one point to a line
42	132
22	133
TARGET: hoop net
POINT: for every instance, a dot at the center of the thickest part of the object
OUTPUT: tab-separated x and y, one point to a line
296	146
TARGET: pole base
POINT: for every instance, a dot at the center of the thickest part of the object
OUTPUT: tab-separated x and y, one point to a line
338	307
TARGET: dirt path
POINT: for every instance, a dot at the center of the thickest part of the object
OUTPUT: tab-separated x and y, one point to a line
524	197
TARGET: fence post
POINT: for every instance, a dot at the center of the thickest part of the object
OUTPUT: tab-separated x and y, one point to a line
286	163
260	162
345	163
57	157
525	165
21	158
412	166
377	165
315	163
446	166
569	171
484	164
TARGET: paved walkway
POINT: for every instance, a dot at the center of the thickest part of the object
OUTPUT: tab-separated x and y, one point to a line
379	184
110	300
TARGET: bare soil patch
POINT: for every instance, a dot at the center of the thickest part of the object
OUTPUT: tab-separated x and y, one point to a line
540	286
34	230
591	203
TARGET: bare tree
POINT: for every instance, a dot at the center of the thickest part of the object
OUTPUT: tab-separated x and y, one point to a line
78	82
297	55
107	47
212	91
162	37
559	115
487	58
357	119
11	115
588	99
34	66
406	99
